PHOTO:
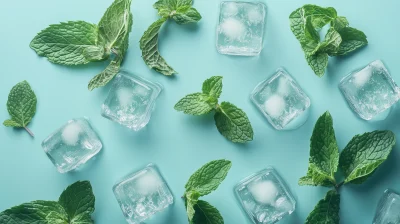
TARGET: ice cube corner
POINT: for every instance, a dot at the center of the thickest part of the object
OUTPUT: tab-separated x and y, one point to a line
241	28
388	209
72	145
282	101
265	197
142	194
131	101
370	92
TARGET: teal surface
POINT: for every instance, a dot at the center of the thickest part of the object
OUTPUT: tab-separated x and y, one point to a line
178	143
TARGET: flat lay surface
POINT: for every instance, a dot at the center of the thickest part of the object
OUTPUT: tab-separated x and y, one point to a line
179	144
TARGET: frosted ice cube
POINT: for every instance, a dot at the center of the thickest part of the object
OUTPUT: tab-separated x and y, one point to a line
371	92
142	194
72	145
388	210
131	101
265	197
241	28
282	101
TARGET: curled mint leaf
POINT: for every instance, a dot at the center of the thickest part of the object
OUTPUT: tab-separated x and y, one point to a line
21	106
196	104
213	86
353	39
327	210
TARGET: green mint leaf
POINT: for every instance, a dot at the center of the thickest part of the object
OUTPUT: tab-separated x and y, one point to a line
208	177
38	212
318	62
65	43
165	7
206	214
353	39
316	177
339	23
78	200
192	197
196	104
326	211
21	106
331	43
186	15
233	123
95	53
310	42
149	47
213	86
364	154
105	76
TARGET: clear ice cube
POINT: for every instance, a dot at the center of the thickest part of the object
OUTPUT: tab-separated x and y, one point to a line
282	101
241	28
142	194
388	210
371	92
265	197
72	145
131	101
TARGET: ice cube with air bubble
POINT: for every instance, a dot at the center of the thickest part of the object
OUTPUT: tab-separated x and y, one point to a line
131	101
142	194
282	101
370	92
241	28
388	209
265	197
72	145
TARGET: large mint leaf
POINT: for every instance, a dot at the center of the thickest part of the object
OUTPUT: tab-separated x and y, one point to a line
318	63
149	47
206	214
21	106
324	153
233	123
37	212
331	43
208	177
364	154
65	43
196	104
353	39
185	15
326	211
78	201
213	86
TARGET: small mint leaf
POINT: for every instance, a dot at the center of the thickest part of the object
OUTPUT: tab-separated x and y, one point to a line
206	214
318	62
185	16
105	76
353	39
213	86
326	211
192	197
196	104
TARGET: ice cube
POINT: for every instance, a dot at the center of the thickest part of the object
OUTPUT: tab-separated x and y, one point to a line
72	145
282	101
131	101
371	92
142	194
265	197
388	210
241	28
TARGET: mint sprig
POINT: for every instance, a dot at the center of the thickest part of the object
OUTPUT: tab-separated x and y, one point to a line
21	106
358	161
80	42
231	121
305	22
75	205
179	10
204	181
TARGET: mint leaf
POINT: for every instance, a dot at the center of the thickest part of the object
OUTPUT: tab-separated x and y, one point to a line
196	104
95	53
185	15
21	106
310	42
65	43
192	197
364	154
331	43
149	47
78	200
105	76
208	177
318	62
326	211
213	86
339	23
324	153
353	39
206	214
233	123
38	212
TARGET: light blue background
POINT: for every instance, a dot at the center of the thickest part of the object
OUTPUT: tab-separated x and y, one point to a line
178	143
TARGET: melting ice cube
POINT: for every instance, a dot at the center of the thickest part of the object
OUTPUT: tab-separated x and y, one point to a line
388	210
70	133
264	192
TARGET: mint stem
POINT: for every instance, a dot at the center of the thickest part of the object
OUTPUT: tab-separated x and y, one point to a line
337	186
29	131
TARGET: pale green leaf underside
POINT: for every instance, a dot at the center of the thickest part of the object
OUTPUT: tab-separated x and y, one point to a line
196	104
364	154
186	16
233	123
65	43
213	86
21	105
206	214
192	198
326	211
208	177
105	76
